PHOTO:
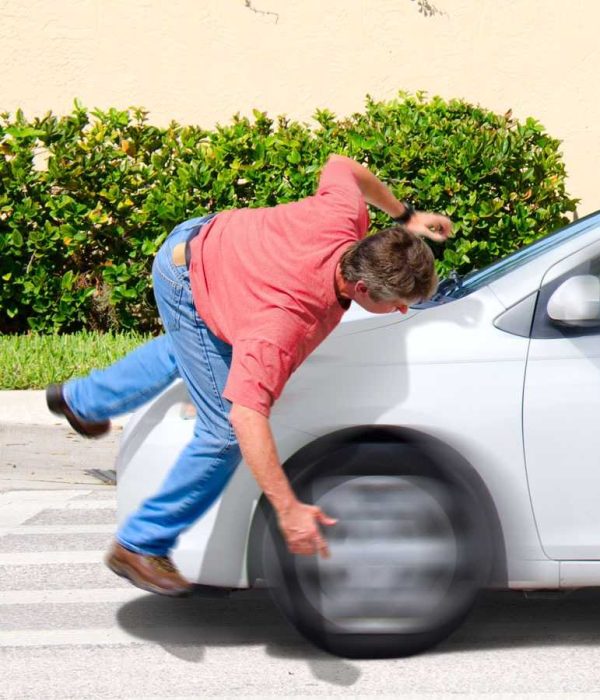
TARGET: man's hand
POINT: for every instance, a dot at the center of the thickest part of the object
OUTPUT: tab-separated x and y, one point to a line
434	226
299	522
300	527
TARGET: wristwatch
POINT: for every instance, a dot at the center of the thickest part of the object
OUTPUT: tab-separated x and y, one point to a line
405	217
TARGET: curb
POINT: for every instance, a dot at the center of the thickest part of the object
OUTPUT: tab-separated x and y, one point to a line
29	408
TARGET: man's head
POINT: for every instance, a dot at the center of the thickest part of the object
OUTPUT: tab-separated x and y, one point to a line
389	270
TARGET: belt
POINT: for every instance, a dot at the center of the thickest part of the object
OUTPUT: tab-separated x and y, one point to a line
182	252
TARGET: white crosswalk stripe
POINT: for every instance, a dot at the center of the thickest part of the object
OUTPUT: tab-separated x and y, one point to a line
49	557
70	628
78	505
16	507
71	595
84	528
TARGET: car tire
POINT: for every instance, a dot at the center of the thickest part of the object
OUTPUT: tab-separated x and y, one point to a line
409	553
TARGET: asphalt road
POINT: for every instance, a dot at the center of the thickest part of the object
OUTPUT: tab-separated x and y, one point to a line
69	628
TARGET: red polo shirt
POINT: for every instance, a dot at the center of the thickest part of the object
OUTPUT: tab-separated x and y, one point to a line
263	281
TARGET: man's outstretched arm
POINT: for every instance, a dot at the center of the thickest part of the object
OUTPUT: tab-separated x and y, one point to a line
434	226
299	522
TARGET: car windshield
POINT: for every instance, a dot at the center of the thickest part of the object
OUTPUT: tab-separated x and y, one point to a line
455	287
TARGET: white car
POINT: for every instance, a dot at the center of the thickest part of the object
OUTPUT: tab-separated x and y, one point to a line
458	445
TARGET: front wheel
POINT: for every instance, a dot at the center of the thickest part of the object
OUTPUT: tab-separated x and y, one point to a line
409	554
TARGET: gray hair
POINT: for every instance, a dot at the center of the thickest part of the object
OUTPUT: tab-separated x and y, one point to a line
393	264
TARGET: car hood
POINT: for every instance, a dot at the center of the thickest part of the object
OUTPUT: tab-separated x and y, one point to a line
341	373
374	368
358	320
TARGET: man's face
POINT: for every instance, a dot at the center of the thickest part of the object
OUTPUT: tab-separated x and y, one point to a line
364	299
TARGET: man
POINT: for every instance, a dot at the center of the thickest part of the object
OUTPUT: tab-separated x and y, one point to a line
244	297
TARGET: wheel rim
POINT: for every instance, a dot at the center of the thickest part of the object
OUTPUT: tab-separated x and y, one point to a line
396	556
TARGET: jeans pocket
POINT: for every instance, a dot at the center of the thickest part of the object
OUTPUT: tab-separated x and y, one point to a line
168	294
174	315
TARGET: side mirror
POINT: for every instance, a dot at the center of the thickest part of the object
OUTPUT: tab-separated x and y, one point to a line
576	302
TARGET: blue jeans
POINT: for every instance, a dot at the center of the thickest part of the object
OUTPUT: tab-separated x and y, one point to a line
191	351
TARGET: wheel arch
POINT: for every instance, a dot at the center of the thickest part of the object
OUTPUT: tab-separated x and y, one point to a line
445	458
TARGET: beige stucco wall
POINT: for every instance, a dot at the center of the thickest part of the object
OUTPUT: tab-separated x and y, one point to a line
202	60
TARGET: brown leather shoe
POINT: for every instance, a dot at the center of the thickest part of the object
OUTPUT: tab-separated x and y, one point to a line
152	573
57	404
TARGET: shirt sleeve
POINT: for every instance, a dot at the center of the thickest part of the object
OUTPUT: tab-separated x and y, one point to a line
259	371
338	185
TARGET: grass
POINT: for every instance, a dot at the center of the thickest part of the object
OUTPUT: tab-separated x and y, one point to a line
34	361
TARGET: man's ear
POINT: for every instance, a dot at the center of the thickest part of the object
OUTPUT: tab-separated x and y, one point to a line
361	287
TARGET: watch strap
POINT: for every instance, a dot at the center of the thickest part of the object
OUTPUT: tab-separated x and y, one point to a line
406	216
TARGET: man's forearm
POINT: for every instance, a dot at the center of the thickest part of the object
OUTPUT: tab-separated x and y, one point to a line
260	454
374	191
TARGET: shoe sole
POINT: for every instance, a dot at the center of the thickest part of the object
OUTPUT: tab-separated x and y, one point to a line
55	401
127	573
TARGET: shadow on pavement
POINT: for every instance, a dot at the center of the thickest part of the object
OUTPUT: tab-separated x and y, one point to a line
501	619
507	619
186	627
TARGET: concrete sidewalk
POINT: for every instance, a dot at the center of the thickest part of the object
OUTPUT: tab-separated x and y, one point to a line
39	450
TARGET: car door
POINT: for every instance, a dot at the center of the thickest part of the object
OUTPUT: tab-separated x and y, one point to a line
561	421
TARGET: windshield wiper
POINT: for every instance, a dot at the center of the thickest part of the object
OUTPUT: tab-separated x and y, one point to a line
445	292
447	286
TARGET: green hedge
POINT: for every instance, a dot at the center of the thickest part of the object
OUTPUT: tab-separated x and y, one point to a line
77	236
